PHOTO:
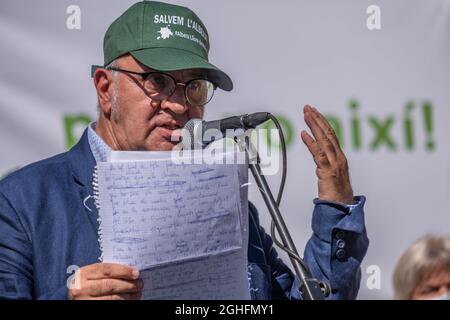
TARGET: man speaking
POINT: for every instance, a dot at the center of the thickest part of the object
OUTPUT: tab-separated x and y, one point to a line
156	77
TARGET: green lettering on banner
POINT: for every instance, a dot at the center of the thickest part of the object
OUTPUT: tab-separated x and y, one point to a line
408	126
383	128
355	125
382	133
427	110
71	122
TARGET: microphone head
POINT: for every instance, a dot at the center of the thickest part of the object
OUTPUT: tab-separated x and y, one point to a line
191	135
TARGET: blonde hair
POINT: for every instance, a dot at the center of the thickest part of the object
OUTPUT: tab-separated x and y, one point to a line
427	255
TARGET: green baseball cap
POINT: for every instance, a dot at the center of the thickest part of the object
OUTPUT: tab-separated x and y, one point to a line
164	37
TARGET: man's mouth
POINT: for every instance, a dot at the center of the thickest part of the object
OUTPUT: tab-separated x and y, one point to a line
171	132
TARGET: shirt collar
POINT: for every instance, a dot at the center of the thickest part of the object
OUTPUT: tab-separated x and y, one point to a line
99	148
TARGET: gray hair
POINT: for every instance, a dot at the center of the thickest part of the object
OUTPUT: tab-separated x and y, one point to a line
427	255
113	64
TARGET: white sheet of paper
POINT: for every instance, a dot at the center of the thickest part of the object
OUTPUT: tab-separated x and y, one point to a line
184	226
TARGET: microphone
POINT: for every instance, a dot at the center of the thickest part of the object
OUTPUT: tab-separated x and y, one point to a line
197	134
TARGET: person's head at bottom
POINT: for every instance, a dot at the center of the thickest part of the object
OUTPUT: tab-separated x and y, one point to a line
423	271
156	76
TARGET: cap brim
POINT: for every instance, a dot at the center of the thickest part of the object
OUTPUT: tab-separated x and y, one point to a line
170	59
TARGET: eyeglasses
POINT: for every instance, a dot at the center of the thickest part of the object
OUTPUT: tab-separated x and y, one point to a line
160	86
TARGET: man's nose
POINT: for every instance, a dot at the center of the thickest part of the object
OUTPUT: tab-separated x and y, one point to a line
177	102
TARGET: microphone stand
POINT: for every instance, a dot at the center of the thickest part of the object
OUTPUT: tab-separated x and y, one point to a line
311	288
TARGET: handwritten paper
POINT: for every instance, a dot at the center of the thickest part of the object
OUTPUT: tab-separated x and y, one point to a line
220	277
183	225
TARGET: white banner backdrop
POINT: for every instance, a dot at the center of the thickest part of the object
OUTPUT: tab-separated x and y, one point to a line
385	90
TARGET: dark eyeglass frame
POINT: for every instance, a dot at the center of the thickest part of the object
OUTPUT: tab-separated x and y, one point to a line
145	75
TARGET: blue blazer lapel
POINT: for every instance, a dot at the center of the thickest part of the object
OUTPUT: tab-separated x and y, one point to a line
83	163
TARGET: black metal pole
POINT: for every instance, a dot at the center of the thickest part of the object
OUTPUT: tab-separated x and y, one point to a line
310	287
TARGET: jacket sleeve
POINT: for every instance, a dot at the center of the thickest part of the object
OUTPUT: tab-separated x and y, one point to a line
16	265
338	245
16	258
334	252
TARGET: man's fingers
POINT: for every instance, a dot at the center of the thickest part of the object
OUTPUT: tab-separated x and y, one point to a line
109	289
320	158
319	135
104	287
310	143
327	128
110	270
122	296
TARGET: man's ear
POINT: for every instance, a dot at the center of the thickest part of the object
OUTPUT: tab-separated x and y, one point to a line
103	82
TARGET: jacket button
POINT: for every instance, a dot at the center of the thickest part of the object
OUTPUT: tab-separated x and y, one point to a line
340	234
340	243
340	254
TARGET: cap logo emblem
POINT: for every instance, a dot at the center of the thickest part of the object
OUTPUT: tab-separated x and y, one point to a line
165	33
